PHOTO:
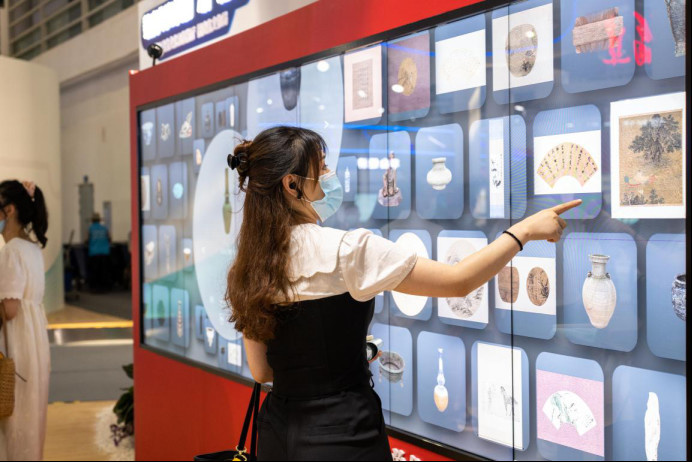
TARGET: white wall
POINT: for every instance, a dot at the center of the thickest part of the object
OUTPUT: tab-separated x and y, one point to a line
96	142
111	42
94	105
30	150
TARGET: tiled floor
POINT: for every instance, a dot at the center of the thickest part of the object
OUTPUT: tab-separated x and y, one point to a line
88	350
72	315
72	431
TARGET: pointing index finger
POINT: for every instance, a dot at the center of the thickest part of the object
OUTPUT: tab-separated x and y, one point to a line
562	208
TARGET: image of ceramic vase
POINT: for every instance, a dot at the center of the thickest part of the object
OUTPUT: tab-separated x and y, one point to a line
439	176
227	210
598	292
441	395
679	293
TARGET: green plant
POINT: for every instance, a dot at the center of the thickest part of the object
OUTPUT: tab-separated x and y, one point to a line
124	409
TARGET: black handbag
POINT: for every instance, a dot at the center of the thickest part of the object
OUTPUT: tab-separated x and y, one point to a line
240	453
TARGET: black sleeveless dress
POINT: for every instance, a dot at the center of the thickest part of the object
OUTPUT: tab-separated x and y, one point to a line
322	406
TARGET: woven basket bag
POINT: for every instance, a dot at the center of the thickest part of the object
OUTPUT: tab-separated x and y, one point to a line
7	379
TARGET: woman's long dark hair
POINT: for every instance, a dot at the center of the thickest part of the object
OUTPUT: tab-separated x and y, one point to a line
259	276
32	213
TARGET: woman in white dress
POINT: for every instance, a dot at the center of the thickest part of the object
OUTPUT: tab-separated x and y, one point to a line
23	224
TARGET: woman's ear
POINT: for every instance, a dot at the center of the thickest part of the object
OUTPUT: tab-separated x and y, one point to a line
9	210
290	186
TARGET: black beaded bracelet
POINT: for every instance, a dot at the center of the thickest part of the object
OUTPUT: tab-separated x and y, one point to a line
521	247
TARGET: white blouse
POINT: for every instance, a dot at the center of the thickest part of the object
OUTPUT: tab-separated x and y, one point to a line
327	262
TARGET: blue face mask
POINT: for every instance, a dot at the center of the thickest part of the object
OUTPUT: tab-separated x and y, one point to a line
2	226
333	196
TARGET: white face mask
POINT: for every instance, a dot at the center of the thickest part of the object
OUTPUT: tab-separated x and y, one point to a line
333	196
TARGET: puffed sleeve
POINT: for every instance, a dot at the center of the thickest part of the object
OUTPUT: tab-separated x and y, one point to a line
12	275
370	264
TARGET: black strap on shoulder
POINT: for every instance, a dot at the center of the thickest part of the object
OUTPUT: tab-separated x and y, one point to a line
253	441
252	411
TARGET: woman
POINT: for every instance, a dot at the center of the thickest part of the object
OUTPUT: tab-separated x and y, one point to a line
22	284
302	295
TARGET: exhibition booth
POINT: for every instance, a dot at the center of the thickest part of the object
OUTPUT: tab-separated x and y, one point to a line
446	123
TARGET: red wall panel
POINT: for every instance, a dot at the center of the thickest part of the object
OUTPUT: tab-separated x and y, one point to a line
182	410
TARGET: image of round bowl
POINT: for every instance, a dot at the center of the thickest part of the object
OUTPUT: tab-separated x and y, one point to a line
392	366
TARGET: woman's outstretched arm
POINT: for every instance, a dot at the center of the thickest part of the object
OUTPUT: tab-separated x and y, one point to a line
434	279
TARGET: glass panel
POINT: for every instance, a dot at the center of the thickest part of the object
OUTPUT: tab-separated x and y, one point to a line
24	25
610	375
109	11
63	19
64	36
25	42
21	9
443	138
53	6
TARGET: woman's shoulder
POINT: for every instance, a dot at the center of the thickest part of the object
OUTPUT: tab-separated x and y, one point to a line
315	249
320	235
19	248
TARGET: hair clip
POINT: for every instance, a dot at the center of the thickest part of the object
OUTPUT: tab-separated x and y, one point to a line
235	161
30	187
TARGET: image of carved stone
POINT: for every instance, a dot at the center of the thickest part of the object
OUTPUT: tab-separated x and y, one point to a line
290	87
538	286
463	307
678	24
407	76
363	84
679	295
521	47
566	407
227	209
390	194
508	284
392	367
597	31
652	427
567	159
441	395
598	293
651	159
439	176
186	127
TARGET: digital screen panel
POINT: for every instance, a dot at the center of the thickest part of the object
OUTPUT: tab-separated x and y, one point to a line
442	138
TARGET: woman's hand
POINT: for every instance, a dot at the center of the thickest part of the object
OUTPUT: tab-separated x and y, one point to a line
544	225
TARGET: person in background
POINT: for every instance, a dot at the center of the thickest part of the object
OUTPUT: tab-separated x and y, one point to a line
99	255
23	225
